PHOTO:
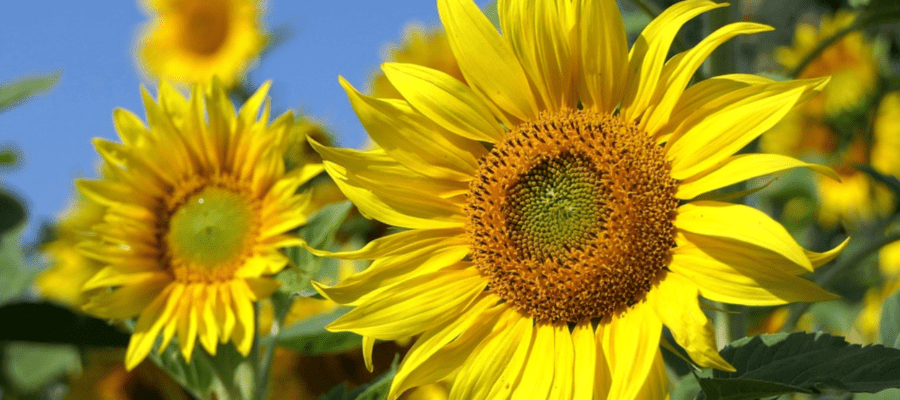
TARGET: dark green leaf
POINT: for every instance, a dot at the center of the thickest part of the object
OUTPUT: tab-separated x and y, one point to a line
376	390
12	212
310	337
223	376
880	12
50	323
769	365
19	91
890	321
29	366
890	181
14	279
318	233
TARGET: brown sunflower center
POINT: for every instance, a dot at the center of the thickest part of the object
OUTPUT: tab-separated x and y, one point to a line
205	27
571	216
210	233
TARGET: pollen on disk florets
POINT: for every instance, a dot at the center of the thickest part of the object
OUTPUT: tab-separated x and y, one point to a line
571	216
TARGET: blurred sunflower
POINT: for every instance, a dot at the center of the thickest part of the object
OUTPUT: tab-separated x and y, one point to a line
426	47
70	268
819	126
197	208
190	41
557	204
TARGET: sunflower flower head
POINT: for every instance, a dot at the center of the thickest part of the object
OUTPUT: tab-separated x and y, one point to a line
422	46
70	268
198	204
190	41
556	203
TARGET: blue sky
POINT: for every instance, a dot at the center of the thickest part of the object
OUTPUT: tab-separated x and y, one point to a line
92	43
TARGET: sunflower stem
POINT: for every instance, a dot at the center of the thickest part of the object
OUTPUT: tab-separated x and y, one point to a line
797	310
282	305
798	69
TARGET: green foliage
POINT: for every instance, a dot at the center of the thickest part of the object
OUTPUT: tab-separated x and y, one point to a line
19	91
14	279
227	375
12	212
310	337
890	321
8	157
376	390
29	366
50	323
769	365
319	233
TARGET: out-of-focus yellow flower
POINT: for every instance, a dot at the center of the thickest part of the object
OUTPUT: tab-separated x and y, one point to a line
889	261
869	319
857	197
850	62
105	378
70	269
425	47
190	41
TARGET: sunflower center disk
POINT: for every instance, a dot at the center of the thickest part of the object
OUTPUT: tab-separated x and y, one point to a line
210	233
205	28
571	217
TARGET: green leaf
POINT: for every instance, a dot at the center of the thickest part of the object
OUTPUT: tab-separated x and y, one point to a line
310	337
319	233
223	376
29	366
14	279
880	12
890	321
12	212
49	323
770	365
376	390
19	91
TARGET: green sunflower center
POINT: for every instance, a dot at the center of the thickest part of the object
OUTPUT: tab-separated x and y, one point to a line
556	205
571	217
212	229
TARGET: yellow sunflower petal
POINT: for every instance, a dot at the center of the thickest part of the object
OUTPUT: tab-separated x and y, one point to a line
368	343
128	300
208	329
445	100
677	306
411	308
538	33
489	65
151	321
538	371
602	374
387	271
494	367
387	200
414	140
564	371
819	259
396	243
129	127
719	129
188	321
585	362
648	54
631	342
708	90
747	225
679	71
737	280
604	54
244	320
742	167
656	387
440	351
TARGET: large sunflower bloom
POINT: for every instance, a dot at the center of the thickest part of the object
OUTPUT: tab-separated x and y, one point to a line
198	205
190	41
557	206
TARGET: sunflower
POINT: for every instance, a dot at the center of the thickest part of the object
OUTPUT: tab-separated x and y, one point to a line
70	269
557	208
190	41
197	207
426	47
